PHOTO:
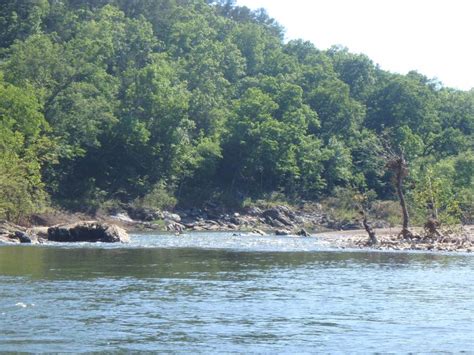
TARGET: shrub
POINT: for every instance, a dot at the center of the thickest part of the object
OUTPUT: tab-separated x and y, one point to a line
159	197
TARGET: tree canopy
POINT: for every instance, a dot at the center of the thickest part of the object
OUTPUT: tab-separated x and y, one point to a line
114	99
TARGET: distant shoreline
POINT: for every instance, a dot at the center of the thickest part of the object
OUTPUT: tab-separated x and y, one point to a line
277	220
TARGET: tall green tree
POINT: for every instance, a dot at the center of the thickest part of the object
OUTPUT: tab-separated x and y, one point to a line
23	149
20	19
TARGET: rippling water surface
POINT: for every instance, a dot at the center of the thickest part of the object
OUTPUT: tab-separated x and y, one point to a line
224	293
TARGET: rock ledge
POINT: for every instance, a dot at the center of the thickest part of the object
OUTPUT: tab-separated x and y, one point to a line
88	231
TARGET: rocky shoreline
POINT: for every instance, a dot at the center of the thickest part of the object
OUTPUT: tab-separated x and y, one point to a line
83	231
281	220
389	239
276	220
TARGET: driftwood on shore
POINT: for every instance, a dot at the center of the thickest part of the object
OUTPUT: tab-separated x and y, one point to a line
461	241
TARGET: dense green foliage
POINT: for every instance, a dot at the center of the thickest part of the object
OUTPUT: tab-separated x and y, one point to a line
202	100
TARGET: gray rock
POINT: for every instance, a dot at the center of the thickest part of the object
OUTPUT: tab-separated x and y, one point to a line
41	232
171	216
234	220
123	217
300	220
281	214
23	237
89	231
259	232
10	233
144	214
175	227
189	225
286	211
274	222
253	211
303	233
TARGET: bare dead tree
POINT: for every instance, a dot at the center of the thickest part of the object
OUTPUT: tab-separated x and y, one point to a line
368	228
395	161
363	205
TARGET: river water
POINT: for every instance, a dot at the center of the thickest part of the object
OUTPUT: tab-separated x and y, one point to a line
222	293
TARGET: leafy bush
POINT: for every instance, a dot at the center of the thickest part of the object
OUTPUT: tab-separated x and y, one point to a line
21	190
343	205
389	211
160	197
445	190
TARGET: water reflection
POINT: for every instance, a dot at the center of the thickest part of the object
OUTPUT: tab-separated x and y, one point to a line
98	298
83	263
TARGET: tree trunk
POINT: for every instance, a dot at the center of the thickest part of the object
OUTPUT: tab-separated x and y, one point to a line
400	174
369	229
434	209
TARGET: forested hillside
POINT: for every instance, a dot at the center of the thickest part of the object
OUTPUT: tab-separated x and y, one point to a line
192	101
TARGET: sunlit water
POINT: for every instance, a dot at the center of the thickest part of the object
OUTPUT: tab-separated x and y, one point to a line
224	293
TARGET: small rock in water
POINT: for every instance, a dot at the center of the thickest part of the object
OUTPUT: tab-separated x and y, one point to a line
259	232
22	237
303	233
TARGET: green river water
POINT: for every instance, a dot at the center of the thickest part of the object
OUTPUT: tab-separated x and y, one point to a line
207	293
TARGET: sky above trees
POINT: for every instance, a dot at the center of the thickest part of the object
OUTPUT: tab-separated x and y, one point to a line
430	36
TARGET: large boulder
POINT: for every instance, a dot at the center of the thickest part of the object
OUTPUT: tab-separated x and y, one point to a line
281	214
89	231
173	217
11	234
144	214
174	227
253	211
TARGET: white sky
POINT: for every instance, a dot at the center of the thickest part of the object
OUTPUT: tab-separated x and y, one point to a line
434	37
